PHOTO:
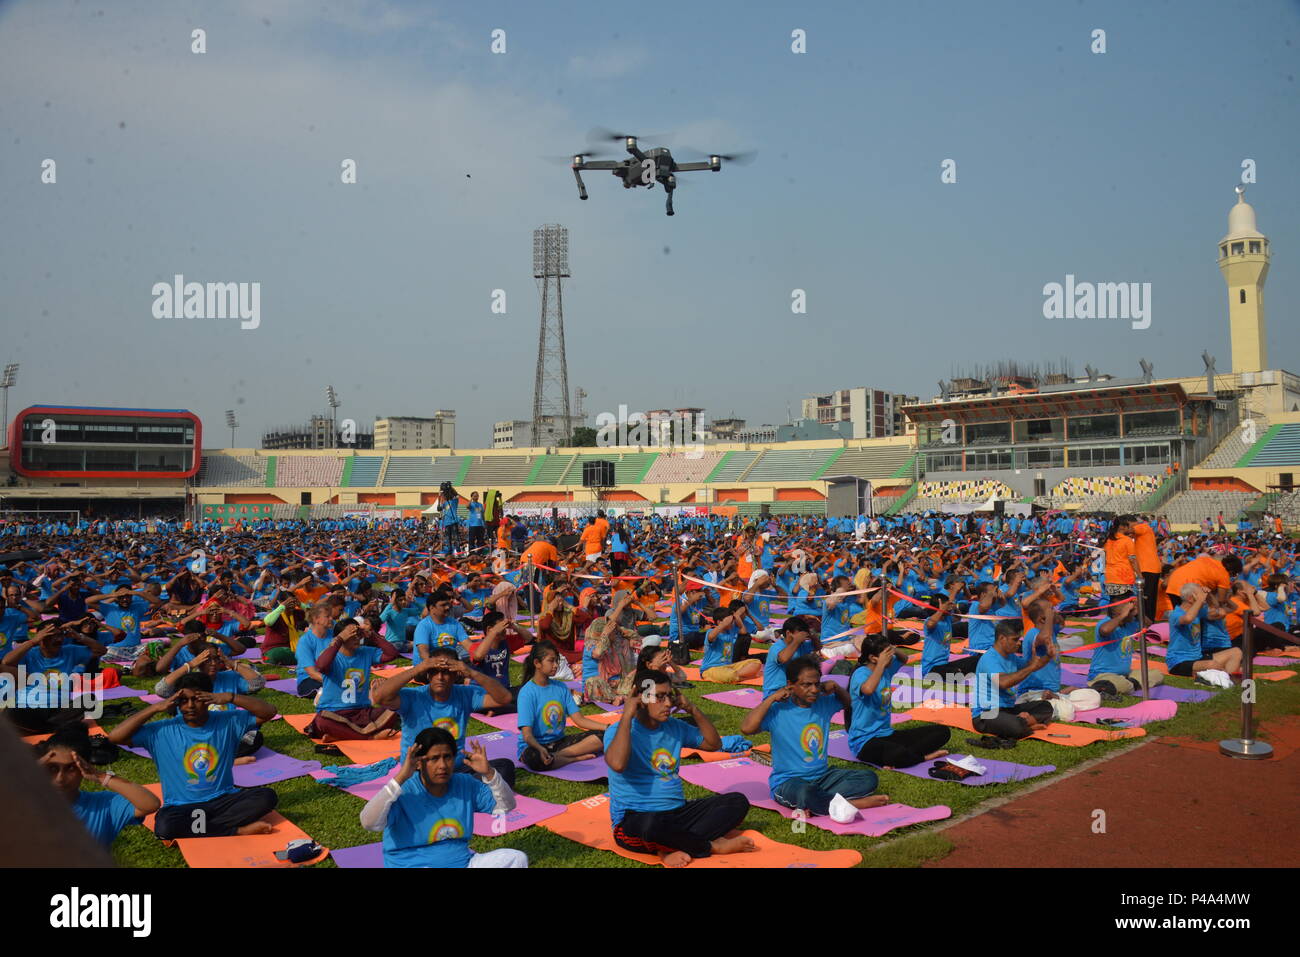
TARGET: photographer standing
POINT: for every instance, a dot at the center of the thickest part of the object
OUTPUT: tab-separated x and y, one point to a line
450	519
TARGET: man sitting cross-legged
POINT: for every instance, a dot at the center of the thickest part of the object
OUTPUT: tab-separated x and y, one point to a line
799	716
195	754
647	807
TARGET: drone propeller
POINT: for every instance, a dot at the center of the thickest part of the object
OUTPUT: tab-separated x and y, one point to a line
740	158
568	157
601	134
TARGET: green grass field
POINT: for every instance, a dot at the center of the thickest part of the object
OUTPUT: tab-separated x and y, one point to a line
331	816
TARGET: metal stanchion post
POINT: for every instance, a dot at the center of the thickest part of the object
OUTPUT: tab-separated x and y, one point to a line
1142	637
1246	746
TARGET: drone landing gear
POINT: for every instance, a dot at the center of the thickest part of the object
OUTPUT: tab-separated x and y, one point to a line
670	201
582	190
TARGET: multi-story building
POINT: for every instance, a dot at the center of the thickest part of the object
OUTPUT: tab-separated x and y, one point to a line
398	433
873	413
319	433
518	433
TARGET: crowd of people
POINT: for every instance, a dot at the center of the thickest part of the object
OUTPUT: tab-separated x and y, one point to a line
611	610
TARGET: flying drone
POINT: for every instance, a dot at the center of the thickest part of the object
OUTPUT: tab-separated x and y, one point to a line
645	167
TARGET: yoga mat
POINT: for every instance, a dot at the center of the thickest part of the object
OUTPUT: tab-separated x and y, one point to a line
1055	733
92	727
593	769
1143	712
365	790
1265	660
693	674
1274	675
712	755
750	698
286	685
510	722
122	691
271	766
359	752
587	822
749	778
363	855
999	772
249	850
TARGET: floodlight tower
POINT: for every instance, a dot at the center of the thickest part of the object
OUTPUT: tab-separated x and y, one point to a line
332	398
551	388
232	423
6	383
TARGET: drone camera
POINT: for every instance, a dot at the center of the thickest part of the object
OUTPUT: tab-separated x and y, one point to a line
631	142
715	162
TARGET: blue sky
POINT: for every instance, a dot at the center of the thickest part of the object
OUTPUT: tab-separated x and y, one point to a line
225	167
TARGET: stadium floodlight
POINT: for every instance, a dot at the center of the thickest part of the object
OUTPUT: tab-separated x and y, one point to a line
9	379
231	423
333	398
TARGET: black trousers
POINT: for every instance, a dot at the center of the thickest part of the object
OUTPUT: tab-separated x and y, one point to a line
44	720
308	687
690	828
1150	594
476	533
958	666
503	766
220	817
1009	724
1268	637
905	747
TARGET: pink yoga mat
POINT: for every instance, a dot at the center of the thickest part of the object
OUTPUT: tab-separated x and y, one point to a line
1141	713
743	776
999	772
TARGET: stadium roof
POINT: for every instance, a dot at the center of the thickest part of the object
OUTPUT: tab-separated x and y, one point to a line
1086	400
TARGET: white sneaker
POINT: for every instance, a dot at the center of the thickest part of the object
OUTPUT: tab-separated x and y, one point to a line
842	812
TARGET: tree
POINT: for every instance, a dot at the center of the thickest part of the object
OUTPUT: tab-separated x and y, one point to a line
583	438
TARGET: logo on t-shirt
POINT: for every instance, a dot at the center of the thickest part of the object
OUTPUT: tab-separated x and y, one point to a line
664	762
450	725
353	677
128	622
552	716
810	739
446	829
200	762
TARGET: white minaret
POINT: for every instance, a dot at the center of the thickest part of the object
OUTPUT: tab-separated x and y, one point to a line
1243	260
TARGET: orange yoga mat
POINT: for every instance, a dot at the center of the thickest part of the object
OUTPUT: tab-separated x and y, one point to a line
587	822
1056	733
1274	675
249	850
93	728
600	717
693	674
359	752
712	755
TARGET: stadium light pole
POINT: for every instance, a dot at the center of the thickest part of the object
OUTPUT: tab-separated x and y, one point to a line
231	423
333	398
10	377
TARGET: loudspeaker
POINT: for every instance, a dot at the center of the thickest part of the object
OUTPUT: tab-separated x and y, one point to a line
597	474
999	507
555	514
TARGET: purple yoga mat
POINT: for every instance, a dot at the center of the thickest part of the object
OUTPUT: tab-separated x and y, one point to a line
1141	713
286	685
363	855
743	776
502	722
592	769
365	790
1158	693
112	694
271	766
999	772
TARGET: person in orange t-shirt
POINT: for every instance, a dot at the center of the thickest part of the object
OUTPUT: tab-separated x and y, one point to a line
1121	559
1206	571
592	541
1148	558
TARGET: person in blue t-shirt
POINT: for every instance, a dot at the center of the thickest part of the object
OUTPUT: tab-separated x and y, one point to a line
66	756
195	755
426	811
719	663
474	524
400	618
438	629
872	736
57	661
343	708
798	717
1111	670
446	702
227	675
936	658
794	640
543	707
647	807
1187	658
994	712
